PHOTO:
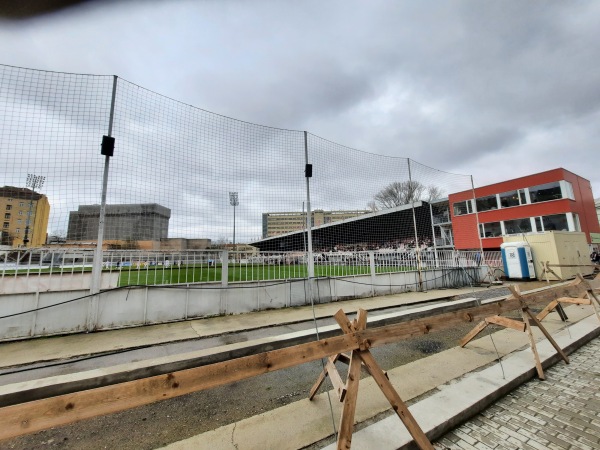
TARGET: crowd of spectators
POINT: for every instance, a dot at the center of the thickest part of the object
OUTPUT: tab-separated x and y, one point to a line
394	245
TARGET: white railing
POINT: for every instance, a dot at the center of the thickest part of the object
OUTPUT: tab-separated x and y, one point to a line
137	267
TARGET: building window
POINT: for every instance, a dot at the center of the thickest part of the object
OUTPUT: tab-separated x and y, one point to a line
556	222
538	224
517	226
19	221
7	216
512	198
568	190
20	213
491	229
21	204
8	207
545	192
6	225
18	230
486	203
461	208
577	223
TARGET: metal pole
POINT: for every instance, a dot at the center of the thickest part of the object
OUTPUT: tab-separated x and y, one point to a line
482	257
417	248
234	201
311	261
97	265
234	249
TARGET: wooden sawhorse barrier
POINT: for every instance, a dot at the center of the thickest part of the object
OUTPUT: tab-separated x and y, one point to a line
347	392
36	409
529	319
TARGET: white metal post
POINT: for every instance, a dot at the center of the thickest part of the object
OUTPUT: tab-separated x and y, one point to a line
97	264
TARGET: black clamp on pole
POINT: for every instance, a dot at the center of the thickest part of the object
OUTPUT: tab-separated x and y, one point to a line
308	171
108	146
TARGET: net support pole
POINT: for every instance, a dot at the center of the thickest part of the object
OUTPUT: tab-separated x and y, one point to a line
417	246
482	261
311	262
97	265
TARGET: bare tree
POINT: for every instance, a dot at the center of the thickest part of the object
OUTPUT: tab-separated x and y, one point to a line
372	206
434	193
399	193
404	192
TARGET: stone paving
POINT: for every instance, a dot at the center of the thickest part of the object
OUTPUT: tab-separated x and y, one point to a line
562	412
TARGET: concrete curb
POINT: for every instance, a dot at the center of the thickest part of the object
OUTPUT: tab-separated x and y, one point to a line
457	402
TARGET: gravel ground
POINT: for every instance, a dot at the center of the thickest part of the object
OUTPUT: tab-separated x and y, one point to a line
161	423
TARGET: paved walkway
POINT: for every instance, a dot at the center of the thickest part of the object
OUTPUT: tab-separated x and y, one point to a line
562	412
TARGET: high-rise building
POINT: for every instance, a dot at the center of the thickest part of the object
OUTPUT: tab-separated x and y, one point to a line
129	222
26	214
276	223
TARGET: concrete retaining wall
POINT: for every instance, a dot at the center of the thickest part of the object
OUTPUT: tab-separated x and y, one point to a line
33	314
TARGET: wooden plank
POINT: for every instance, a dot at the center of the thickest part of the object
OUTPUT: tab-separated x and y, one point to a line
474	332
342	320
315	387
55	411
336	379
574	301
321	378
506	322
536	356
517	295
548	336
395	401
41	414
548	309
361	320
349	409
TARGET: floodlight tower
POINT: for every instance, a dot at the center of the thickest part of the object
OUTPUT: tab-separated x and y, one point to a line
34	182
234	201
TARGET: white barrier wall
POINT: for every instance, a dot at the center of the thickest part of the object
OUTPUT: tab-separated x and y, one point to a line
33	314
65	281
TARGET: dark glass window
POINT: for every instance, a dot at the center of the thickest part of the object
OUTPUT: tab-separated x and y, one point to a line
545	192
461	208
486	203
508	199
556	222
517	226
490	229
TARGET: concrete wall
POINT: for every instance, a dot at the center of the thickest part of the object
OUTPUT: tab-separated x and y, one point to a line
129	307
64	281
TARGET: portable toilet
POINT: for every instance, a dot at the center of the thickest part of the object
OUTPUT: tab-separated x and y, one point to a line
517	260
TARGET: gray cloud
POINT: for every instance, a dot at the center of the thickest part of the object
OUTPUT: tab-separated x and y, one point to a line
495	90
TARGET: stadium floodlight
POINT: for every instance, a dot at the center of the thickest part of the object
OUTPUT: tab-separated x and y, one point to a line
234	201
34	182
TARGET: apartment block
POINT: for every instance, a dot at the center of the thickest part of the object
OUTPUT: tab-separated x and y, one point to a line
25	217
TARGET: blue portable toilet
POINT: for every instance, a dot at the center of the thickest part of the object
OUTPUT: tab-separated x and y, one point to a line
517	260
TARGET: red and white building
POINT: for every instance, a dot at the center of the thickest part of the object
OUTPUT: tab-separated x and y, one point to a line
552	200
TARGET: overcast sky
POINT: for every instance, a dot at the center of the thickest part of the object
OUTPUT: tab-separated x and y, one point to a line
493	89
